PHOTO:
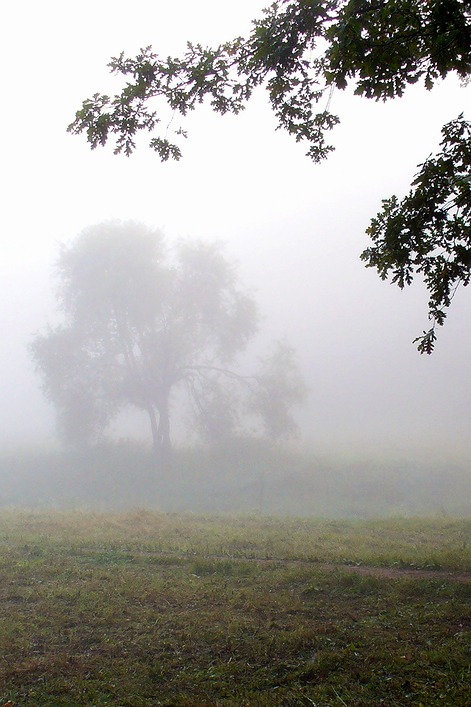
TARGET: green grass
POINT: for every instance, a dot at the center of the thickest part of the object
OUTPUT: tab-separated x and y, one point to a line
408	542
149	608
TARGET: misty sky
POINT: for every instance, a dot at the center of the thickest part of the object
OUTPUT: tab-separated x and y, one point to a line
295	228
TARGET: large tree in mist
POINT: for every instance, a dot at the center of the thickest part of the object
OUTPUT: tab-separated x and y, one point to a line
143	323
300	51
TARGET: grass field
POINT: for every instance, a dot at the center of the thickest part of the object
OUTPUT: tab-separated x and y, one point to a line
148	608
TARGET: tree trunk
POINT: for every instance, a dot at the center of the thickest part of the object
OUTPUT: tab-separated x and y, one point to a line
155	431
164	430
161	444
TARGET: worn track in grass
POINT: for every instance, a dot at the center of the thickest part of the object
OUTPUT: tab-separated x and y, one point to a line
377	571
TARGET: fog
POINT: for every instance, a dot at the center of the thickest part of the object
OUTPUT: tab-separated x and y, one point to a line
295	229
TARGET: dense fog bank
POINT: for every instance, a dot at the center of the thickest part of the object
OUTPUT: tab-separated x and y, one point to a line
244	477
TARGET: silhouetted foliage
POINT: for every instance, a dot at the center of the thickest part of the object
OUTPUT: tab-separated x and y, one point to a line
428	232
299	50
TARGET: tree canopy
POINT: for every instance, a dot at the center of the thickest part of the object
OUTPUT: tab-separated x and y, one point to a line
300	51
144	323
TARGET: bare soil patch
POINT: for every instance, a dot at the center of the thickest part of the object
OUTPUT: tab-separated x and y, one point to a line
400	572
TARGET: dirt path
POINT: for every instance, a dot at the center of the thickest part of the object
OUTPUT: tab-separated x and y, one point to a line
398	572
386	572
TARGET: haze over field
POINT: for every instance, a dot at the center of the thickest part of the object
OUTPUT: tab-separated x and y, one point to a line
295	228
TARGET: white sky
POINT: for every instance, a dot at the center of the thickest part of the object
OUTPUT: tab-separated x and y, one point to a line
296	228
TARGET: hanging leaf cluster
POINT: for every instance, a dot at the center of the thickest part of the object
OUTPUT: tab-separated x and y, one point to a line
428	233
298	50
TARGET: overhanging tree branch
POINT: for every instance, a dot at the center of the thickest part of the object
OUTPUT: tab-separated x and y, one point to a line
377	48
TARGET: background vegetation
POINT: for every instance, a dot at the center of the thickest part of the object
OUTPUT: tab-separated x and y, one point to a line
240	476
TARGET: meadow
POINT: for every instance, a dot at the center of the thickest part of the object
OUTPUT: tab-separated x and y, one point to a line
144	607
